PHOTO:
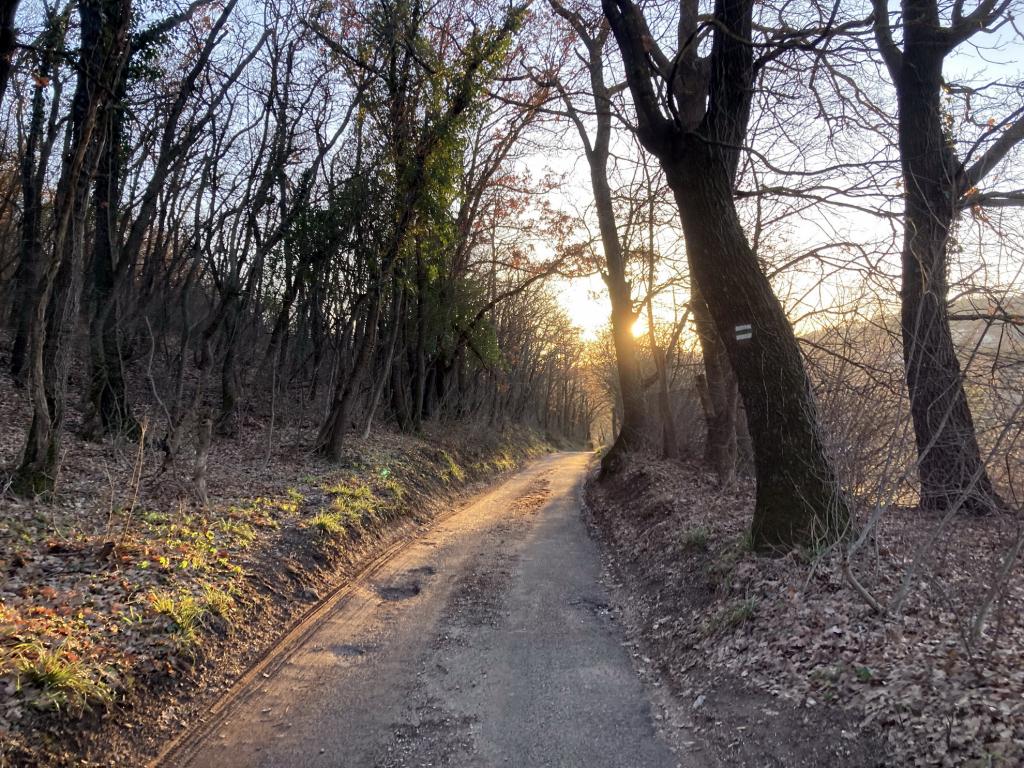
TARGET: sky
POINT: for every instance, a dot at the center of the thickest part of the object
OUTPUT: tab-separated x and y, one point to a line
998	57
585	301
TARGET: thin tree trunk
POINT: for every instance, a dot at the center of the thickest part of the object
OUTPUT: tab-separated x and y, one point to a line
389	359
720	403
39	145
204	433
331	440
26	276
110	411
227	420
632	434
420	352
104	25
669	440
8	42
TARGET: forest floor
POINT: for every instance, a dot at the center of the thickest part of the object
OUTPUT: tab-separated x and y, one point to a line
126	607
778	661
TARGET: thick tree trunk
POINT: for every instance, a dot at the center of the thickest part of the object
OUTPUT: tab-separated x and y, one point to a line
799	501
798	494
950	466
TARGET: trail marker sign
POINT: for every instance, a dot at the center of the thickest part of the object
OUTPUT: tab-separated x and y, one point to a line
744	332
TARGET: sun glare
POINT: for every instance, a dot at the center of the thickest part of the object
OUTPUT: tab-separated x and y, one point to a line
586	304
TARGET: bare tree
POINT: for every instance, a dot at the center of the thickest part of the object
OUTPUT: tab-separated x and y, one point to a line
8	41
632	434
692	113
938	184
104	29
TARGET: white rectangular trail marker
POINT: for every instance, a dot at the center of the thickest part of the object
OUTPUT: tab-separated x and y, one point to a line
744	332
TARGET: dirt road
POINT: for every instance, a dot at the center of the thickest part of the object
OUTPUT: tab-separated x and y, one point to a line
487	642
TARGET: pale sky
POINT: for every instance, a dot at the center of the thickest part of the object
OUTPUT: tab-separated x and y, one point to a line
584	299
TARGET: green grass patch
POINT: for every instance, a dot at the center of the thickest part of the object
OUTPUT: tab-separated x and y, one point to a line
452	472
328	523
64	680
238	532
190	614
390	488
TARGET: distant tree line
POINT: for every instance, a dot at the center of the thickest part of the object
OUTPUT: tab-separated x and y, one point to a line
232	209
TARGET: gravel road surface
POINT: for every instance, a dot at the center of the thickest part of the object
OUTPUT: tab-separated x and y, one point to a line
485	642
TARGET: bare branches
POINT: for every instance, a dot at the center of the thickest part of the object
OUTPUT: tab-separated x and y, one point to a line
1010	134
891	54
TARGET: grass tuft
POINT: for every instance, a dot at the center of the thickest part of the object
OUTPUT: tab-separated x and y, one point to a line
64	680
732	617
328	523
190	614
696	538
453	471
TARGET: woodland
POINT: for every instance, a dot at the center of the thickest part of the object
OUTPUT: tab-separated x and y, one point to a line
274	272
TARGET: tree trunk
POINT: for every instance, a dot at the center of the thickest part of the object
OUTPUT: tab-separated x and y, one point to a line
110	412
8	42
950	467
719	398
669	439
799	501
798	494
26	276
633	428
378	388
204	432
331	440
104	25
420	353
633	432
227	419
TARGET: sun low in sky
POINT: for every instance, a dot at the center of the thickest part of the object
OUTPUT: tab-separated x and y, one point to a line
585	301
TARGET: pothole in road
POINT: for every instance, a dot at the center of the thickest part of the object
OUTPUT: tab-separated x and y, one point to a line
532	498
399	591
423	570
598	607
432	736
478	597
345	649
